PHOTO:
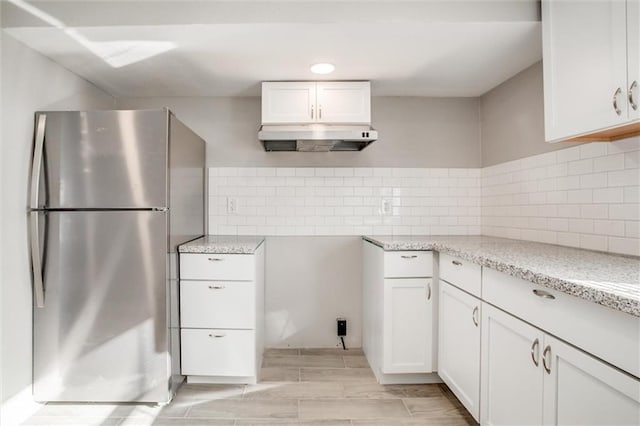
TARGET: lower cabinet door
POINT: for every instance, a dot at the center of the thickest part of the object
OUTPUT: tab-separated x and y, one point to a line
408	336
459	345
511	370
216	352
580	389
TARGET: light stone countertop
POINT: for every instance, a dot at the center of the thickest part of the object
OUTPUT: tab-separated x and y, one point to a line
222	244
606	279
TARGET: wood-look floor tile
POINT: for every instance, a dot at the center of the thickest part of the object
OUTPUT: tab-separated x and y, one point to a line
339	375
110	410
262	422
281	352
352	409
180	422
279	374
294	390
72	421
411	422
375	390
317	361
246	408
202	391
332	351
356	361
435	407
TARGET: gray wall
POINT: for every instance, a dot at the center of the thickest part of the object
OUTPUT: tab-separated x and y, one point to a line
30	82
512	119
414	132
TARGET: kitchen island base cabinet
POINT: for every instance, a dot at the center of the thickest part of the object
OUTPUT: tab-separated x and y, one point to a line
398	315
459	345
530	377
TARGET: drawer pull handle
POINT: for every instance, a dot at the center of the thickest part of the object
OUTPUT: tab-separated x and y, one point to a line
456	262
413	256
216	287
474	316
547	366
429	291
217	335
215	259
543	294
535	352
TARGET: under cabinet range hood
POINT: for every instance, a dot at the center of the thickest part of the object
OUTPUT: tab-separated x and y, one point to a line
316	137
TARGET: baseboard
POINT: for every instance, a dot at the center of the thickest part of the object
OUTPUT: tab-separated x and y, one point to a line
227	380
19	408
407	379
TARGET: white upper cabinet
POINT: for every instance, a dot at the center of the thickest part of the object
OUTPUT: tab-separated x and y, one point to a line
633	55
588	48
338	102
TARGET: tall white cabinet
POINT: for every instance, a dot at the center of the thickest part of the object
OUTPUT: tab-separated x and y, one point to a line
398	315
591	59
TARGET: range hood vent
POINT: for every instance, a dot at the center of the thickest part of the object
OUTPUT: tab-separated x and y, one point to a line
316	137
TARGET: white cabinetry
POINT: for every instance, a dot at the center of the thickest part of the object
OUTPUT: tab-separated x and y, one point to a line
398	315
530	377
221	316
591	54
459	344
346	102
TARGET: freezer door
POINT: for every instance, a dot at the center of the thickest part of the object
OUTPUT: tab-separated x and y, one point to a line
102	334
100	159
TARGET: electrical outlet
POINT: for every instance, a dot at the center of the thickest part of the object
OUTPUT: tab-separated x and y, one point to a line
232	205
342	327
387	207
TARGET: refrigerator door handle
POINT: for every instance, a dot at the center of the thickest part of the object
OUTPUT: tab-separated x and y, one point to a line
36	165
36	260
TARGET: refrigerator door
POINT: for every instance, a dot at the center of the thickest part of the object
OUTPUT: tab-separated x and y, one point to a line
100	159
102	334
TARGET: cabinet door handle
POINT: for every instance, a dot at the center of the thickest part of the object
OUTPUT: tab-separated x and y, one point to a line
474	316
409	257
215	259
319	112
217	335
545	364
535	352
456	262
544	294
633	103
312	112
615	101
429	291
216	287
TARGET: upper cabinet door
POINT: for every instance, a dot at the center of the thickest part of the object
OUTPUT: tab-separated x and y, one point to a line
344	102
633	55
585	66
288	102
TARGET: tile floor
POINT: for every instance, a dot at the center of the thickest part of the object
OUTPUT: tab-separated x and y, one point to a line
323	387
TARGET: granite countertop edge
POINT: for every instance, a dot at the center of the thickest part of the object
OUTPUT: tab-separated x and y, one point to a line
222	245
601	297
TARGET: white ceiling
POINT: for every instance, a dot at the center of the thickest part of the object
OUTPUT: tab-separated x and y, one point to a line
217	48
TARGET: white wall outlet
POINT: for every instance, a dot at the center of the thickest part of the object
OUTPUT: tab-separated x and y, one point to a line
387	207
232	205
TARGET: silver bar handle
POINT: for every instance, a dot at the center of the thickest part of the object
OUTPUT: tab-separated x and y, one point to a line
543	294
312	112
535	352
36	164
616	108
215	259
217	335
216	287
319	112
409	257
474	316
36	261
633	103
456	262
429	290
547	366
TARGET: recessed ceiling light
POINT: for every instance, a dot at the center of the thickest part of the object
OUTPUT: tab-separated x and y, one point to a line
322	68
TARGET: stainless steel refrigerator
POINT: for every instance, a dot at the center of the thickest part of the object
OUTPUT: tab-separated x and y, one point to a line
112	193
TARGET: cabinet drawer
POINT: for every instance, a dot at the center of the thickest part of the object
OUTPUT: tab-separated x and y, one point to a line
218	304
216	352
408	264
461	273
607	334
236	267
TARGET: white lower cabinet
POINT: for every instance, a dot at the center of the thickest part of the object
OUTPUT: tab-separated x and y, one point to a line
213	352
407	315
459	345
529	377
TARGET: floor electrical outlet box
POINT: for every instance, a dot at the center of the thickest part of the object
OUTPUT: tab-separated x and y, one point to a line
342	327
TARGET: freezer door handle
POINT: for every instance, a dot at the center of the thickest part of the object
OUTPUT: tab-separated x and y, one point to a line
36	165
36	260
